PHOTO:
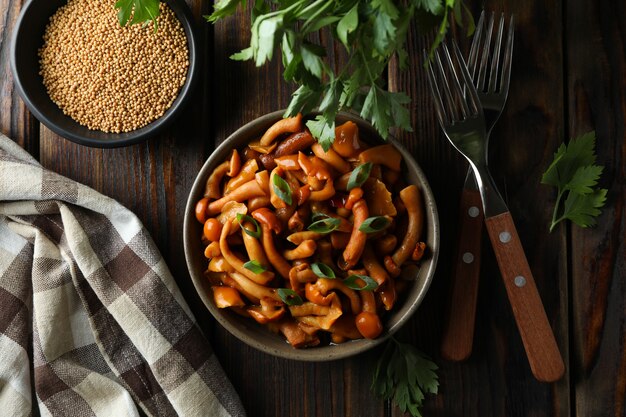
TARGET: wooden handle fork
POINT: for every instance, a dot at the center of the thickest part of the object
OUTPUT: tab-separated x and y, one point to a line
458	333
539	342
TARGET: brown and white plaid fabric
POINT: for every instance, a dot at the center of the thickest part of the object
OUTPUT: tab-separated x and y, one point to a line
91	320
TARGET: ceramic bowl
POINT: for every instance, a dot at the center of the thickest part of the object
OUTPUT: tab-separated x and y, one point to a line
28	38
257	336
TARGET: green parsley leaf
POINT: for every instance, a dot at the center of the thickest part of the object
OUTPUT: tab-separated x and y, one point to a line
254	266
311	60
584	179
583	208
405	375
385	108
433	7
142	11
580	152
573	172
243	55
323	129
372	32
303	100
223	8
348	24
289	297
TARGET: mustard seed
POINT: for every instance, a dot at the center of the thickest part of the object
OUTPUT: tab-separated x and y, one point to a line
111	78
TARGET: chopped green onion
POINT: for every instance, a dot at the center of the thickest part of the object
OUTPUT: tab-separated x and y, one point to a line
241	218
326	225
352	282
322	270
374	224
318	215
254	266
289	297
281	188
359	175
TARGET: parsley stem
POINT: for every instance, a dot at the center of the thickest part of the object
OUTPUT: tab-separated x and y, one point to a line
315	14
312	6
367	68
555	221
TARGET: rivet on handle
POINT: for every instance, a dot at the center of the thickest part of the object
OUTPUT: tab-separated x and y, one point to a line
505	237
473	211
468	258
520	281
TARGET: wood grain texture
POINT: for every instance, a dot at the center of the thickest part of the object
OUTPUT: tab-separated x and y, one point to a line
270	386
596	87
541	348
458	328
532	120
15	120
568	75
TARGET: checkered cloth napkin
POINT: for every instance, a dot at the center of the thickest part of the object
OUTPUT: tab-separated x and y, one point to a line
90	316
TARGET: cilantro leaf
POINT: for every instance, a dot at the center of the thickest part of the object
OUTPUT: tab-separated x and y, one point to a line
264	33
311	60
223	8
578	153
372	32
348	24
584	179
431	6
384	33
384	108
243	55
405	375
582	209
142	11
303	100
323	128
573	172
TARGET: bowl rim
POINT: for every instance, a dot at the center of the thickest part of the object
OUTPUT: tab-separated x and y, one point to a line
314	354
133	137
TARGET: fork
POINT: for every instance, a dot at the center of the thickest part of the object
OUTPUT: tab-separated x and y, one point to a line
463	122
458	331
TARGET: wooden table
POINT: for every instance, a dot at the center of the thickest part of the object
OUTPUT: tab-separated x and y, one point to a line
569	77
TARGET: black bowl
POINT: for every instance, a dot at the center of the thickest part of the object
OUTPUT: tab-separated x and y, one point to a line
28	38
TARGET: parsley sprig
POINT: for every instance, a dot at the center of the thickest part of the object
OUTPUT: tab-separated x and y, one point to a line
405	375
141	11
371	31
575	173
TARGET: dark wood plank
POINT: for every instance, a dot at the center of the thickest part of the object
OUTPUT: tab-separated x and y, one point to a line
15	120
596	69
270	386
496	380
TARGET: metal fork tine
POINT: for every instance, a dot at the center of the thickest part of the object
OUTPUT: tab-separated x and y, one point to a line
473	99
440	109
472	62
457	84
493	74
508	57
482	73
451	104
